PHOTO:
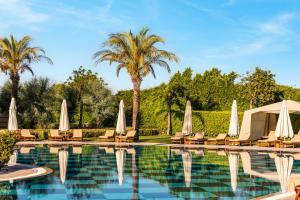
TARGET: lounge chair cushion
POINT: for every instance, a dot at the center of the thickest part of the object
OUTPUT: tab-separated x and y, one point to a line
77	133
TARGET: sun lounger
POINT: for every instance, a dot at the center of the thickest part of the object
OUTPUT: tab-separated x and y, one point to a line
197	139
26	135
220	139
268	142
178	138
294	142
242	140
129	137
108	136
54	135
77	150
77	135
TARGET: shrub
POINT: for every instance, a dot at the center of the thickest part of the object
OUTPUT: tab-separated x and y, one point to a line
7	143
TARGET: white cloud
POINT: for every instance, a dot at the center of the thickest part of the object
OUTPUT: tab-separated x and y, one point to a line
278	25
21	11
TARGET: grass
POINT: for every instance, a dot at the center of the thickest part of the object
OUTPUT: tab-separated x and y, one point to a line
152	138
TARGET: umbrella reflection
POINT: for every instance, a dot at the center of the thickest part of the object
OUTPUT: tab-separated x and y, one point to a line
233	159
187	167
63	164
120	157
284	165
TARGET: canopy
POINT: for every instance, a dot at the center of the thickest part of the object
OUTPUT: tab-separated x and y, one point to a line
284	126
187	167
233	159
260	121
187	123
12	119
63	164
121	123
64	118
120	157
234	121
284	165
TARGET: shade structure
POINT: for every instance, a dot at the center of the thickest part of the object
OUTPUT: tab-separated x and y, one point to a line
13	158
120	157
187	167
12	119
121	123
63	164
187	122
64	124
234	121
233	159
284	126
284	165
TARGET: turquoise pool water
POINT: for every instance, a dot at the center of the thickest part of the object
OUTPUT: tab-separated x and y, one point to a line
148	172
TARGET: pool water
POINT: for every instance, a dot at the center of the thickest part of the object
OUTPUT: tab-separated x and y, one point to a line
147	172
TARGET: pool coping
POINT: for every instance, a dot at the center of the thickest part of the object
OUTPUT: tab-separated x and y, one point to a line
227	147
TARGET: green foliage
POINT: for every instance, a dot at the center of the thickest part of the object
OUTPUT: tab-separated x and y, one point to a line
7	143
260	87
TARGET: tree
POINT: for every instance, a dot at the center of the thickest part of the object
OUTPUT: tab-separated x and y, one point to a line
79	82
16	56
35	103
137	54
260	87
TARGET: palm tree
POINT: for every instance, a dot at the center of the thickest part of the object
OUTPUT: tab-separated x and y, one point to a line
137	54
16	56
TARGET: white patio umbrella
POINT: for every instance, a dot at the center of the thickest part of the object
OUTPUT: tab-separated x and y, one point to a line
187	123
284	165
120	157
233	159
187	167
284	126
13	158
64	118
234	121
12	120
63	164
121	123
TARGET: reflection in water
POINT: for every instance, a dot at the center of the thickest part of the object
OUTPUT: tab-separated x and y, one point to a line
150	172
13	158
120	157
63	164
233	159
284	165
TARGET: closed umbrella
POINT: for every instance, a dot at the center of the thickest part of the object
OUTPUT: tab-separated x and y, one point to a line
187	123
284	126
121	123
233	159
187	167
284	165
234	121
120	157
13	158
64	119
12	120
63	164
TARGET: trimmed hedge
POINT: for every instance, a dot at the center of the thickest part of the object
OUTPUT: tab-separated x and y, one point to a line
211	122
7	143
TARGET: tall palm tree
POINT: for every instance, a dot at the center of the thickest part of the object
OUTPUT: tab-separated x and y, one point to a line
137	54
16	56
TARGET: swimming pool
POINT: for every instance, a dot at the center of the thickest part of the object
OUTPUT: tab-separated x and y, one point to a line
149	172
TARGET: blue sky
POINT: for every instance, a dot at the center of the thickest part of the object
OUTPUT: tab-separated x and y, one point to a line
229	34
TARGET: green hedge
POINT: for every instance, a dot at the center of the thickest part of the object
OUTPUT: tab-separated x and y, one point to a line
7	143
211	122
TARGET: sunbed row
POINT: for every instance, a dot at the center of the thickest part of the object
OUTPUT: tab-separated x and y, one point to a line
222	139
55	134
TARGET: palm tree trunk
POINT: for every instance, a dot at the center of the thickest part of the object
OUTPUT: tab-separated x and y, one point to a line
169	132
15	79
80	114
136	105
